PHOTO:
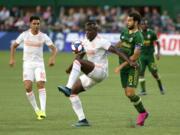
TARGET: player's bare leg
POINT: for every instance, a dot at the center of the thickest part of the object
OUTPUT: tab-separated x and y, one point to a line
30	95
74	87
42	99
77	105
136	100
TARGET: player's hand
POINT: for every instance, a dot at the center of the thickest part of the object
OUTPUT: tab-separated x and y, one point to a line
133	64
51	62
158	56
11	63
117	69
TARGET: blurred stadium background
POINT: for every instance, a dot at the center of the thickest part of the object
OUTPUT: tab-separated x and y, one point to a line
105	105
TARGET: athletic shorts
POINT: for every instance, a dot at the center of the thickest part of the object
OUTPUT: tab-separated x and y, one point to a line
97	75
147	61
129	77
34	71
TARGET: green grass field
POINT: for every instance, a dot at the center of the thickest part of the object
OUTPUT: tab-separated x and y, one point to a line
105	105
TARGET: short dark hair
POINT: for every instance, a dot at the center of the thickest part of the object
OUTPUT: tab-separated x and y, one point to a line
34	18
92	24
136	16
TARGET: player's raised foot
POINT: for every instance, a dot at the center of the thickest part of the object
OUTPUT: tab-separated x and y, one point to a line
141	118
66	91
40	115
82	123
142	93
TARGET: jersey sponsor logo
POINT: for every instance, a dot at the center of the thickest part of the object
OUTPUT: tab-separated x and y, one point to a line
90	52
32	43
147	42
125	44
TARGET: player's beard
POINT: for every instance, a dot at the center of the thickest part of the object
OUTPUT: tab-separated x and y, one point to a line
131	27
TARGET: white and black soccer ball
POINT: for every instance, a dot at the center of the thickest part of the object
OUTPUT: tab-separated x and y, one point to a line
77	47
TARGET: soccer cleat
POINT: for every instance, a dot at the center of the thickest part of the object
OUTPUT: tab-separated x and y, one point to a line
82	123
162	91
142	93
141	118
40	115
66	91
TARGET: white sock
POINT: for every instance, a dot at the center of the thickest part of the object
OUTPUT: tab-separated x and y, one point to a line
32	100
42	99
77	106
75	72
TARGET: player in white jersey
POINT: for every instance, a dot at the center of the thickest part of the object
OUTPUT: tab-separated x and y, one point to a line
33	63
95	69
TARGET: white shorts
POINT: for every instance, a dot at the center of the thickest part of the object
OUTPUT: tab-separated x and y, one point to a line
34	71
96	76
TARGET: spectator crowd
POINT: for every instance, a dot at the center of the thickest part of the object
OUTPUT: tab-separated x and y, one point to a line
72	19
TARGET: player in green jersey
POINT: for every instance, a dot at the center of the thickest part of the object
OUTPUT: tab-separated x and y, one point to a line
147	56
130	44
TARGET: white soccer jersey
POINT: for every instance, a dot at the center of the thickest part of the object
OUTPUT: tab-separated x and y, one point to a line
96	51
33	45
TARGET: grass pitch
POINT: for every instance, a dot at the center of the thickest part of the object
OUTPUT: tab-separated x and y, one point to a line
105	105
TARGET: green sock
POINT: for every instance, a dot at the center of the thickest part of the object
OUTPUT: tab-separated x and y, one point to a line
143	85
137	103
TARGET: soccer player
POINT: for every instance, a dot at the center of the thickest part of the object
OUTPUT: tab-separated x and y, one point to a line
147	56
131	43
33	63
95	69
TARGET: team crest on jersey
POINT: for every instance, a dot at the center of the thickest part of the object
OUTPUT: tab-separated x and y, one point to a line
148	36
130	39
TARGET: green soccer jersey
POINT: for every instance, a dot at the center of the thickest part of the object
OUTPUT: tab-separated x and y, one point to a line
148	45
129	42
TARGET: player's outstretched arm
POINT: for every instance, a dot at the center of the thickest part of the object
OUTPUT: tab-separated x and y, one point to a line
118	52
133	58
136	54
119	44
78	56
53	55
12	54
121	66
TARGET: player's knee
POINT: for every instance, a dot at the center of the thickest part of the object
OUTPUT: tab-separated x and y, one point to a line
28	88
40	85
141	74
129	94
155	75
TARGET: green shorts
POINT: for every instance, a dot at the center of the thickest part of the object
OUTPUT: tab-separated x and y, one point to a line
129	77
147	61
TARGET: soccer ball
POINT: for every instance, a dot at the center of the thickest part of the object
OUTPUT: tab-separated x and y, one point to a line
77	47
